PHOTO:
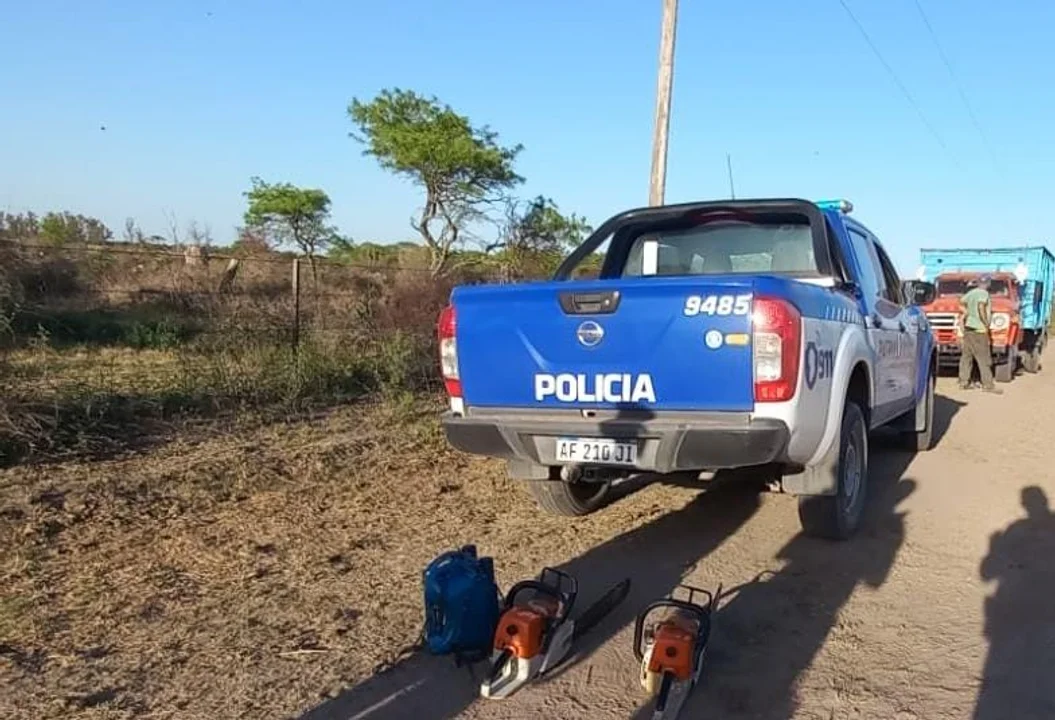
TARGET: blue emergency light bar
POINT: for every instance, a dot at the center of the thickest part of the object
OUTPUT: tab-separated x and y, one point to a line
844	206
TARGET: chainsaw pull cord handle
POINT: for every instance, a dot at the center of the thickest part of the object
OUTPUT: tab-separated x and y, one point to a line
702	613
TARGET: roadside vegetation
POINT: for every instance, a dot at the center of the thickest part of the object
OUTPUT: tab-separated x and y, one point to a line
202	436
105	341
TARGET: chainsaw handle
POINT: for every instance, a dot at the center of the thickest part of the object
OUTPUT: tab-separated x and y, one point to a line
712	598
564	583
564	600
703	613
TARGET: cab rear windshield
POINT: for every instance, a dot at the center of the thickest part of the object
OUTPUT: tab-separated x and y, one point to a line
724	247
997	288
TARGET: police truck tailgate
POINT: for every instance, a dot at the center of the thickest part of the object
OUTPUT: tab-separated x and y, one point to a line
653	343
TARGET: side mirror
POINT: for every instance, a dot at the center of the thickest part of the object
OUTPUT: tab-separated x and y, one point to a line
918	292
850	288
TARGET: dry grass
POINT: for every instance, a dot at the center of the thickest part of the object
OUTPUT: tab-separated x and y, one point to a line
246	572
136	563
208	524
205	547
150	297
71	317
92	402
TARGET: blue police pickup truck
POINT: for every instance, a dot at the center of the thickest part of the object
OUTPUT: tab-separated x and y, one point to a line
770	333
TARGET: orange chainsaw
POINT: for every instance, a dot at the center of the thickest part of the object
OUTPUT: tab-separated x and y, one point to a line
670	639
535	632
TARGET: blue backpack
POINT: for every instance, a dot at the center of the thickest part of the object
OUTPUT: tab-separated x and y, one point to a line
461	604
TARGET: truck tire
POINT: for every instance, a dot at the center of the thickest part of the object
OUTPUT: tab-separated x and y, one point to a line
922	440
569	499
1031	361
837	517
1005	371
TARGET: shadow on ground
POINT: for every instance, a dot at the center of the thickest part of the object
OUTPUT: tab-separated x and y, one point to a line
944	410
765	636
1020	616
431	688
768	633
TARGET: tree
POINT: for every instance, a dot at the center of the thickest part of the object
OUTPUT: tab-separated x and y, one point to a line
461	168
69	229
198	235
286	214
173	227
536	234
250	241
24	226
133	234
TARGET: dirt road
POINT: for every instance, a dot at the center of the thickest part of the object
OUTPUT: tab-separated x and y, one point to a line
941	608
264	571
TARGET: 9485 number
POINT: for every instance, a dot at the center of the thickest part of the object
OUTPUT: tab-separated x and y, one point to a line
717	305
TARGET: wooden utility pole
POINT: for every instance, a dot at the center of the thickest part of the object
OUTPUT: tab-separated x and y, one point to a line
658	183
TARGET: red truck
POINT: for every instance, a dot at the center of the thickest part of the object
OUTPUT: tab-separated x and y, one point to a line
944	315
1022	291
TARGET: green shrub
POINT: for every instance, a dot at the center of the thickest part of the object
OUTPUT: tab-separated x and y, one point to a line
401	362
105	327
156	335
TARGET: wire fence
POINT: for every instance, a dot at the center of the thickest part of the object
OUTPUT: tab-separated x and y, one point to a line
148	296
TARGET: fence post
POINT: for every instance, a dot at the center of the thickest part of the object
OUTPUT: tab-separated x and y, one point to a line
296	304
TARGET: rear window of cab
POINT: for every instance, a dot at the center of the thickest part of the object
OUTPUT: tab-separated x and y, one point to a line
721	248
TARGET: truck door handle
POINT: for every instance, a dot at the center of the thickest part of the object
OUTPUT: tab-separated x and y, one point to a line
590	303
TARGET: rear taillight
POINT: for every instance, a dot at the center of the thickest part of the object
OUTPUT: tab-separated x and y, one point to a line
777	341
445	330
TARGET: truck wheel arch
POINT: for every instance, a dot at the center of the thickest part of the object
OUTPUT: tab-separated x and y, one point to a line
859	389
854	371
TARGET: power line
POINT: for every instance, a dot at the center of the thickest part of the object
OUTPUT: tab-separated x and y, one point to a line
897	80
955	80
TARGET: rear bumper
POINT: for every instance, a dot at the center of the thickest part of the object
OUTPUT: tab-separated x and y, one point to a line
666	443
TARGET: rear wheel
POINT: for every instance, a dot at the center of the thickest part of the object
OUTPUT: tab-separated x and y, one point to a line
569	499
837	517
1031	361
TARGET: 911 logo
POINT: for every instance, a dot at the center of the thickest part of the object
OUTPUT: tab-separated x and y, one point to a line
819	364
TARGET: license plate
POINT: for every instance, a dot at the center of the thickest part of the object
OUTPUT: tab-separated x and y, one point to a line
596	450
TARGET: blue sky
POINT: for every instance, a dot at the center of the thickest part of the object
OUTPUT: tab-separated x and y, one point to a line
199	96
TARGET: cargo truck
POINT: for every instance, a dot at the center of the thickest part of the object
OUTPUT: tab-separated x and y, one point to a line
1022	287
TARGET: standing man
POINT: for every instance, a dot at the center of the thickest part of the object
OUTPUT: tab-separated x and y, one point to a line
976	311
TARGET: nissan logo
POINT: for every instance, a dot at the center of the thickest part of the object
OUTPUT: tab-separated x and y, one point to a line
589	333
